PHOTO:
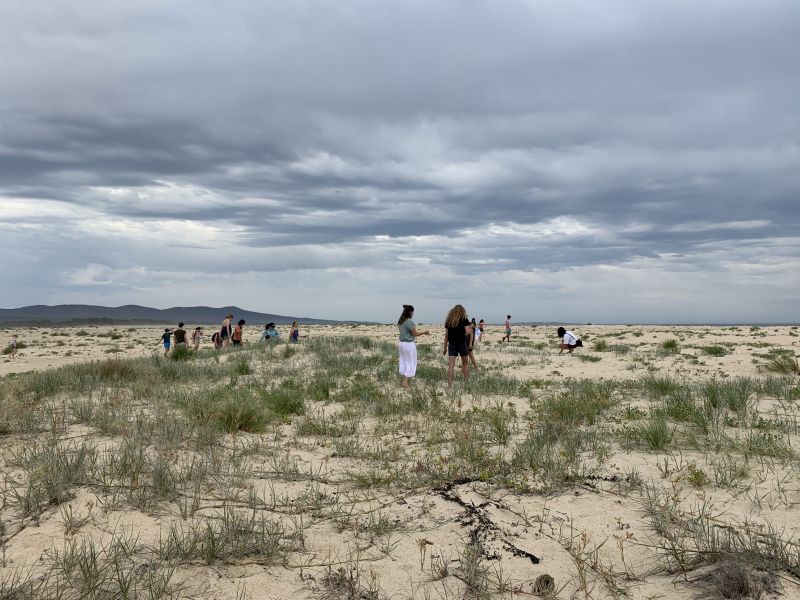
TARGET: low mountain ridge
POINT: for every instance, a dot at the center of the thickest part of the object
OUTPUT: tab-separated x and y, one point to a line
133	313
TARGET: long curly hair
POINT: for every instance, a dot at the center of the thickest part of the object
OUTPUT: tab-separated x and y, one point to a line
456	315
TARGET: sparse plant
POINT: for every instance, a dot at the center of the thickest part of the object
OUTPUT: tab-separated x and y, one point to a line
714	350
670	346
655	433
734	580
783	364
180	353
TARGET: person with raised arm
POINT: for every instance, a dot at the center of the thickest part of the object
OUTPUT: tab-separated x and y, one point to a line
407	348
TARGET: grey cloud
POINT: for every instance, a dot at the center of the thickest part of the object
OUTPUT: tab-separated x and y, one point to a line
274	137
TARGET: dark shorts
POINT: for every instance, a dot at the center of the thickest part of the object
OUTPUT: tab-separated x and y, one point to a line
237	342
223	333
457	349
166	345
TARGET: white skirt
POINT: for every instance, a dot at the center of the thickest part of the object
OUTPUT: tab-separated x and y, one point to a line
408	359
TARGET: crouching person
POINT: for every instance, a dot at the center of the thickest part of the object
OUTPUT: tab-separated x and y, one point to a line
569	341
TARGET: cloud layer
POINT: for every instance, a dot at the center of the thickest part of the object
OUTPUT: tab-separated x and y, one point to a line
606	161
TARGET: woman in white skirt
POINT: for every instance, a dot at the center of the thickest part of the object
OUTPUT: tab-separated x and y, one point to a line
408	346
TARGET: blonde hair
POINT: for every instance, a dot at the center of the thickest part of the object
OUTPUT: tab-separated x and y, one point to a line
457	314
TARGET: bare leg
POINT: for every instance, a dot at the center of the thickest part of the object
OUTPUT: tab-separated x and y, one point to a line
451	367
473	361
465	368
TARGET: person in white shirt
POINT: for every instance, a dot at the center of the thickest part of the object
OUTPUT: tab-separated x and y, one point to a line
569	341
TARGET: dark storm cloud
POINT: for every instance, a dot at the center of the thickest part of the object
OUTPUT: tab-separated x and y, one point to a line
474	137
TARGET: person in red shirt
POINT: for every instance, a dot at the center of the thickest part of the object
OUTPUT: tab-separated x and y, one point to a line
236	338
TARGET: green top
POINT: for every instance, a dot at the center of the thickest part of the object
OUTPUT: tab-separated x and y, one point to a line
405	330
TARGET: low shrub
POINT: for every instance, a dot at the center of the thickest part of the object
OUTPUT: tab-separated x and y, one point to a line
20	346
180	353
655	433
670	346
714	350
782	363
241	413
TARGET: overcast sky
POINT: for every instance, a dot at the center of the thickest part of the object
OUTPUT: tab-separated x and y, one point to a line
594	161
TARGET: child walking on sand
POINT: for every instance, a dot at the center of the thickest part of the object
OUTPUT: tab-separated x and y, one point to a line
13	346
165	338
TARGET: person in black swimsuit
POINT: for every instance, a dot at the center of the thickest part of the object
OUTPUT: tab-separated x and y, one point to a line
457	330
225	331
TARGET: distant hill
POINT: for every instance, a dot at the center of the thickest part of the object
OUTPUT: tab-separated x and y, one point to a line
134	314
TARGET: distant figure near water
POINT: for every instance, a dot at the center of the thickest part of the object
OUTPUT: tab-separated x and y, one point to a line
569	341
407	348
457	329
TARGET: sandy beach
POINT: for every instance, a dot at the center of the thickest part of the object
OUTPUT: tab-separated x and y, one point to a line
632	468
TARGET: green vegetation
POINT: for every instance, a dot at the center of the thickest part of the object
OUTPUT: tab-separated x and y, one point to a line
782	363
714	350
20	346
670	346
246	458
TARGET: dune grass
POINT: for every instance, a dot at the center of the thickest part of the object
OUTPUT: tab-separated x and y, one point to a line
209	442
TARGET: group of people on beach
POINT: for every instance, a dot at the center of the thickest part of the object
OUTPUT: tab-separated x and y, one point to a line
460	336
227	335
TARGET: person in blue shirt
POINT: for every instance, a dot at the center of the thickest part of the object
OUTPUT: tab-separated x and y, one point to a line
269	333
165	337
